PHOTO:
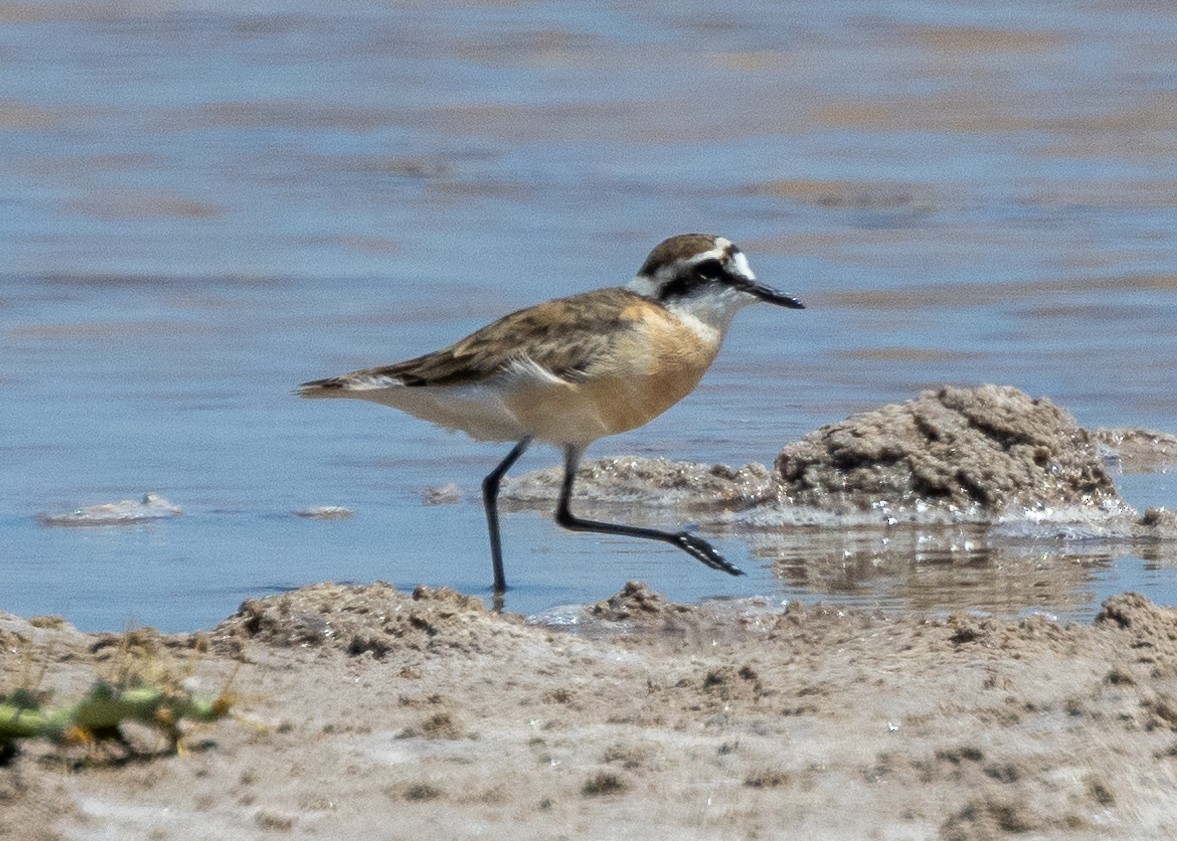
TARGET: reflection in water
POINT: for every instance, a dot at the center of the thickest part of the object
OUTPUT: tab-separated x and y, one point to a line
951	570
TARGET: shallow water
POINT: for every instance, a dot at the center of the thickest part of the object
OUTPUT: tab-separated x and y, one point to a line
205	203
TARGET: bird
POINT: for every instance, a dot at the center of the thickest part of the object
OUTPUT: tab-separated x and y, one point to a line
574	369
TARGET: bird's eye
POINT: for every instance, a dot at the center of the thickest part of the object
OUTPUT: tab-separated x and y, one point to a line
709	269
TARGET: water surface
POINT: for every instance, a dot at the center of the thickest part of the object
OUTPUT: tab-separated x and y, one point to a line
203	204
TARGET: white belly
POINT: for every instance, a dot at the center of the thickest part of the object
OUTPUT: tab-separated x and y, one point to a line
524	405
477	410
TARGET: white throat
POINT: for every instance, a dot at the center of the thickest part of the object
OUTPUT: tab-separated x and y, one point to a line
716	307
713	308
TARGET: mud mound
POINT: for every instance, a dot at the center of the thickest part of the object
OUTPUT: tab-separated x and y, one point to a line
951	456
654	481
986	818
973	452
40	630
1137	450
1153	628
373	619
636	601
1157	524
636	610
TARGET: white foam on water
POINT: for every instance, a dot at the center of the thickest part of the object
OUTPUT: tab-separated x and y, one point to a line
125	512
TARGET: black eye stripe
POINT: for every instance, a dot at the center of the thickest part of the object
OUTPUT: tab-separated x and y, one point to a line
709	269
689	278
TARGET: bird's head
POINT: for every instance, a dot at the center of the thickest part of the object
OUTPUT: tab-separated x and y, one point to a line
705	275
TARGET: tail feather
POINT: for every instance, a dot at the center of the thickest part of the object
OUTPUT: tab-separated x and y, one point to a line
329	387
347	385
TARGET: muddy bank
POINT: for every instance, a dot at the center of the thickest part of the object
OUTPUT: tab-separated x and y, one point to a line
1137	450
969	452
366	712
988	455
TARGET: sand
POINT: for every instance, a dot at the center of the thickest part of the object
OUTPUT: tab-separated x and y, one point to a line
363	712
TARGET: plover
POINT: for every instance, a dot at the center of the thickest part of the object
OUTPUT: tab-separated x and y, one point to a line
575	369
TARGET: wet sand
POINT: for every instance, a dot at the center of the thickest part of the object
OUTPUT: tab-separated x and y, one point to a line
368	713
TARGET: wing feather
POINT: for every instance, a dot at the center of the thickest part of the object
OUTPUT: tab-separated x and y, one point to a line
566	337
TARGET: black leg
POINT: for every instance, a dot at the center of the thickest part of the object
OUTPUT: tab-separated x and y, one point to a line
490	501
696	547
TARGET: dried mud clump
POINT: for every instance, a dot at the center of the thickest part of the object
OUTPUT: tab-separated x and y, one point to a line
636	601
636	609
985	456
372	620
1157	524
990	818
1138	450
1153	628
688	485
971	451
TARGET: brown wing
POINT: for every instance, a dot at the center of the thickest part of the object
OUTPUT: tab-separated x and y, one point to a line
567	336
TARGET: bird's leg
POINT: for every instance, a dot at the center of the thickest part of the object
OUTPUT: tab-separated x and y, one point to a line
490	501
696	547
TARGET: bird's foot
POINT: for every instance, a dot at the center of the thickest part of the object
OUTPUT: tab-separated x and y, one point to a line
705	553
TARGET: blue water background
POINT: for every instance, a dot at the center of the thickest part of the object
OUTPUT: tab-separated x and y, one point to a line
203	204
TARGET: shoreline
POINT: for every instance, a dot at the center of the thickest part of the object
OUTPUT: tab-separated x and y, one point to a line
368	712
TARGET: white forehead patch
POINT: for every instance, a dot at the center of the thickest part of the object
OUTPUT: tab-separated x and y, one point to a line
710	254
727	253
740	262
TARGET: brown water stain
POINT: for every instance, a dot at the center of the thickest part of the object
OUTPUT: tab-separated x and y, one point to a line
369	244
852	113
16	115
82	166
1080	314
1155	112
41	12
534	48
1126	146
746	61
832	244
852	195
1144	129
297	115
984	39
404	165
483	189
105	330
906	354
977	294
145	205
53	11
1109	193
965	111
